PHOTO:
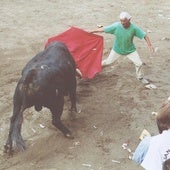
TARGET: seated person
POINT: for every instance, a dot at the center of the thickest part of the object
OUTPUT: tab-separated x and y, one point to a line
152	151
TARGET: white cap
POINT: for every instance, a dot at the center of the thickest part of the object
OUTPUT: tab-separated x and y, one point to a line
124	15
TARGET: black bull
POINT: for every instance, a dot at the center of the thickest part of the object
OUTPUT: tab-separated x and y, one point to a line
46	79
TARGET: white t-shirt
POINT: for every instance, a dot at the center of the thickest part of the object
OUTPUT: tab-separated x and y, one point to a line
158	152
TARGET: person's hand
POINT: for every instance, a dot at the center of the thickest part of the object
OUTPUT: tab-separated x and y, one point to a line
152	49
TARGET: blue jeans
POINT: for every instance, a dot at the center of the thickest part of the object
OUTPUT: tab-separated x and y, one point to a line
141	150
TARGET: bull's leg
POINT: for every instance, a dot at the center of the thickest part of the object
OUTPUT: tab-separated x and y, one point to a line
15	141
72	94
56	111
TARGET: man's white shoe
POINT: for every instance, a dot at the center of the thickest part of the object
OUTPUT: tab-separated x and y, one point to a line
143	80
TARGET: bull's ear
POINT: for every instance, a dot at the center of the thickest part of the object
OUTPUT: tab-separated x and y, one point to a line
56	91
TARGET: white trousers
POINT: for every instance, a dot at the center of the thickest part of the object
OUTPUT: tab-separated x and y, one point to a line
134	57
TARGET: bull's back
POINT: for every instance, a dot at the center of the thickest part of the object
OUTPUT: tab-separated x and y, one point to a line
55	55
50	69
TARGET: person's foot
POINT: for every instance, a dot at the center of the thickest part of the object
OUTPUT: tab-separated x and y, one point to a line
143	80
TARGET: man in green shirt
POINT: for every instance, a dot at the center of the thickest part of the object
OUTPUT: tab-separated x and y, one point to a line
123	45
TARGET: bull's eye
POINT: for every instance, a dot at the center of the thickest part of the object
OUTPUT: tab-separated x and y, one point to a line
44	67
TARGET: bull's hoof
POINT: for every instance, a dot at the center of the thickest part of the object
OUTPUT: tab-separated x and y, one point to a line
8	150
14	147
69	136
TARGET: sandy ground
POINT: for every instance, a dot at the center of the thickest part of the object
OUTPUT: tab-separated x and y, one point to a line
114	106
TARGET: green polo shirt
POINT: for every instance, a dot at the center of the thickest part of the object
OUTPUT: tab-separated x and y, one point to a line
123	42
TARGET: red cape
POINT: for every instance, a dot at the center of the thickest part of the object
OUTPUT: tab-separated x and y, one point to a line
86	49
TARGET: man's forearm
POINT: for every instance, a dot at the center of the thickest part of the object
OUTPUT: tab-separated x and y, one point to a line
149	43
99	30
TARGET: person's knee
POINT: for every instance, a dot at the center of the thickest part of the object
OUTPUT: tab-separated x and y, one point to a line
139	64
